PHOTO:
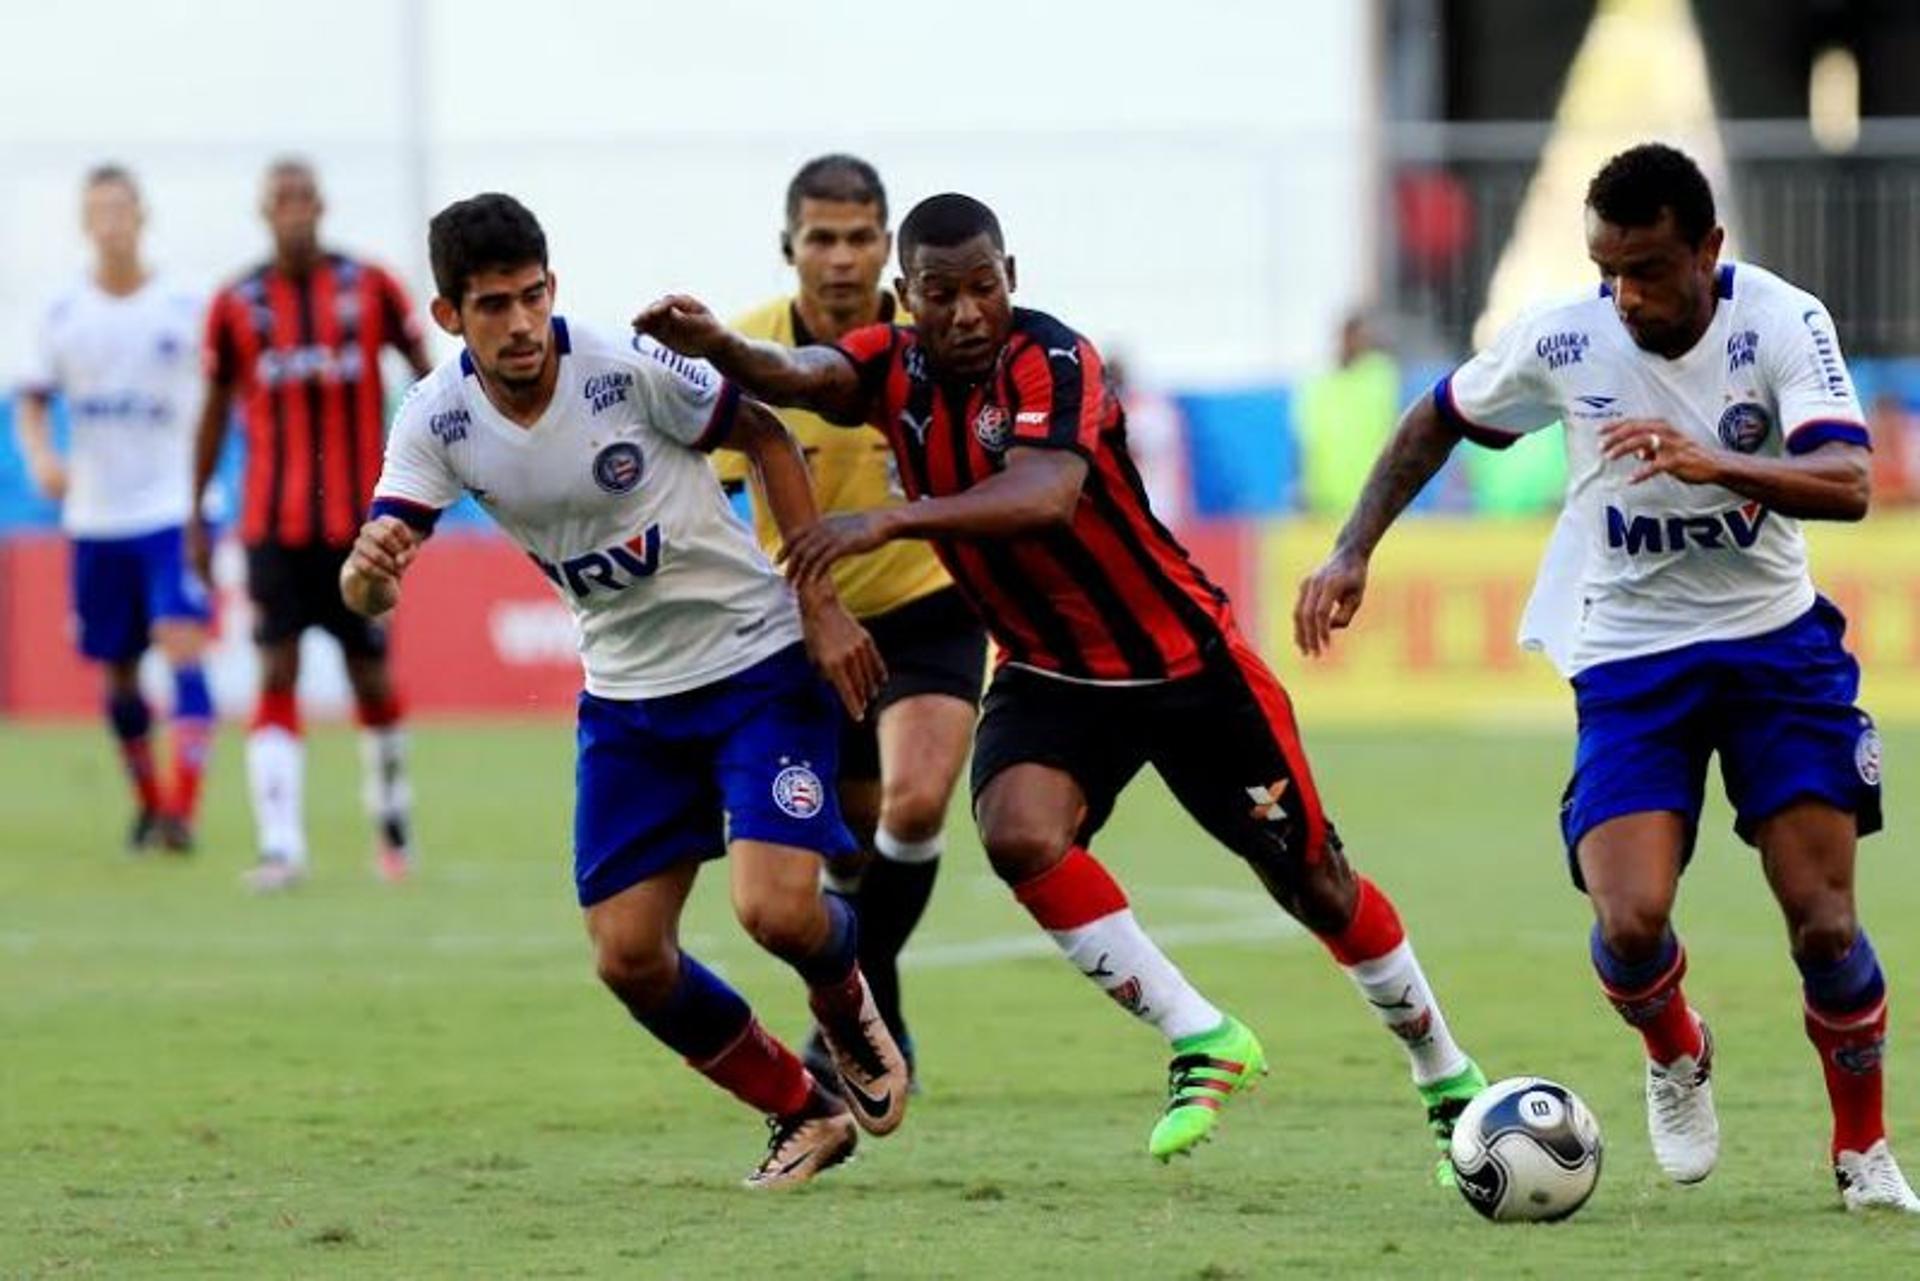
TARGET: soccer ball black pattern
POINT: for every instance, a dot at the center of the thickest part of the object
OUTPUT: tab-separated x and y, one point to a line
1526	1150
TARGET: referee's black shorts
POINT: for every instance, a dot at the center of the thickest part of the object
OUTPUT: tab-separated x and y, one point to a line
933	645
294	588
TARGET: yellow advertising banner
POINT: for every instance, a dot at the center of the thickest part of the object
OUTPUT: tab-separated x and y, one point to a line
1435	639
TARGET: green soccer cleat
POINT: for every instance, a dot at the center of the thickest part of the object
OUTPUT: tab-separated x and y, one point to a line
1446	1099
1207	1068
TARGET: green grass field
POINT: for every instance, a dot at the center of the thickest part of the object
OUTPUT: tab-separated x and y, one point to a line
358	1080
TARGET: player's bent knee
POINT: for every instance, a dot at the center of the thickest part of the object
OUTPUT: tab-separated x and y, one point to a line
1020	851
642	977
782	928
1633	931
913	809
1826	937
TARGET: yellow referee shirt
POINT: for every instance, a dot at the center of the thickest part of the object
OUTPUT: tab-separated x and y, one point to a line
853	470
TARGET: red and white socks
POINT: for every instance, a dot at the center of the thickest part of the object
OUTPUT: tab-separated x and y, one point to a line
276	777
1085	911
1374	951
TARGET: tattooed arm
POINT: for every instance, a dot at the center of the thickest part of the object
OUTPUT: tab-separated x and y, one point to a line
1330	597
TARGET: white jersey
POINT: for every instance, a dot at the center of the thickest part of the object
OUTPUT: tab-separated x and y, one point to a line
611	495
128	369
1640	569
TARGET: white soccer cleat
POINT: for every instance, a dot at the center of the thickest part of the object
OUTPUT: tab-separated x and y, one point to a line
1871	1180
275	875
1680	1118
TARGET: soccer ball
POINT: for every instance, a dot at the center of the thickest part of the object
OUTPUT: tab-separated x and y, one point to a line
1526	1151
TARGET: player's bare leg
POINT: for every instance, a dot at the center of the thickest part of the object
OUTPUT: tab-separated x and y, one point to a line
276	771
897	819
183	642
1234	759
1028	816
923	745
385	791
1631	867
1808	852
132	723
695	1013
777	896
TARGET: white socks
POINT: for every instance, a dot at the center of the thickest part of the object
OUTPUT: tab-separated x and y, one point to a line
1397	989
384	788
276	770
895	850
1129	967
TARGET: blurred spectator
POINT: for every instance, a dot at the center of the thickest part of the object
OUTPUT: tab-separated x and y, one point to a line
1896	450
1343	419
1157	442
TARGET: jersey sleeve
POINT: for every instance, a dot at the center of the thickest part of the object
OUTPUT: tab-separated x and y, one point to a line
398	319
417	480
1813	390
870	350
221	353
1059	395
683	399
1501	394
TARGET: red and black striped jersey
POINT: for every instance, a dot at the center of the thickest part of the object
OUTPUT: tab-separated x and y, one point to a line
303	357
1111	597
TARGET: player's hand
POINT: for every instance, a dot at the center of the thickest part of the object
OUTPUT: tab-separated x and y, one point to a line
809	554
1663	448
844	653
1329	598
381	553
684	324
49	474
199	547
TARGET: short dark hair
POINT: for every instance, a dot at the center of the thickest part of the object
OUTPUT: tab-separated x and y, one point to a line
110	171
470	236
946	220
836	177
1633	188
291	166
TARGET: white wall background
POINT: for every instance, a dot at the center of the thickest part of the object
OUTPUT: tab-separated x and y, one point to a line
1189	182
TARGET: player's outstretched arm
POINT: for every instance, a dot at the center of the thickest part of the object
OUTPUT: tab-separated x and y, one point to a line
1039	489
816	378
370	580
839	646
1832	482
34	434
1331	595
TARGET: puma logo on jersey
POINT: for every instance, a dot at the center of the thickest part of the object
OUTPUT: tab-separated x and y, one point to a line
1070	354
612	569
1657	535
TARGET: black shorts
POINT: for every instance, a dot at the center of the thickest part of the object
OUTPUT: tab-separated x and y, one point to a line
933	645
294	588
1225	741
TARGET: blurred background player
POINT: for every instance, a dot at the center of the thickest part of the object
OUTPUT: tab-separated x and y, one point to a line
1117	650
1708	411
296	342
702	729
899	764
119	348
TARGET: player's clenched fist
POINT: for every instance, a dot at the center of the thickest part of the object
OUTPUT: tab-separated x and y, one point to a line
370	580
682	323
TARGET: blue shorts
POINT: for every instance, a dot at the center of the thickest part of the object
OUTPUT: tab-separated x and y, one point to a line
122	586
659	780
1778	708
